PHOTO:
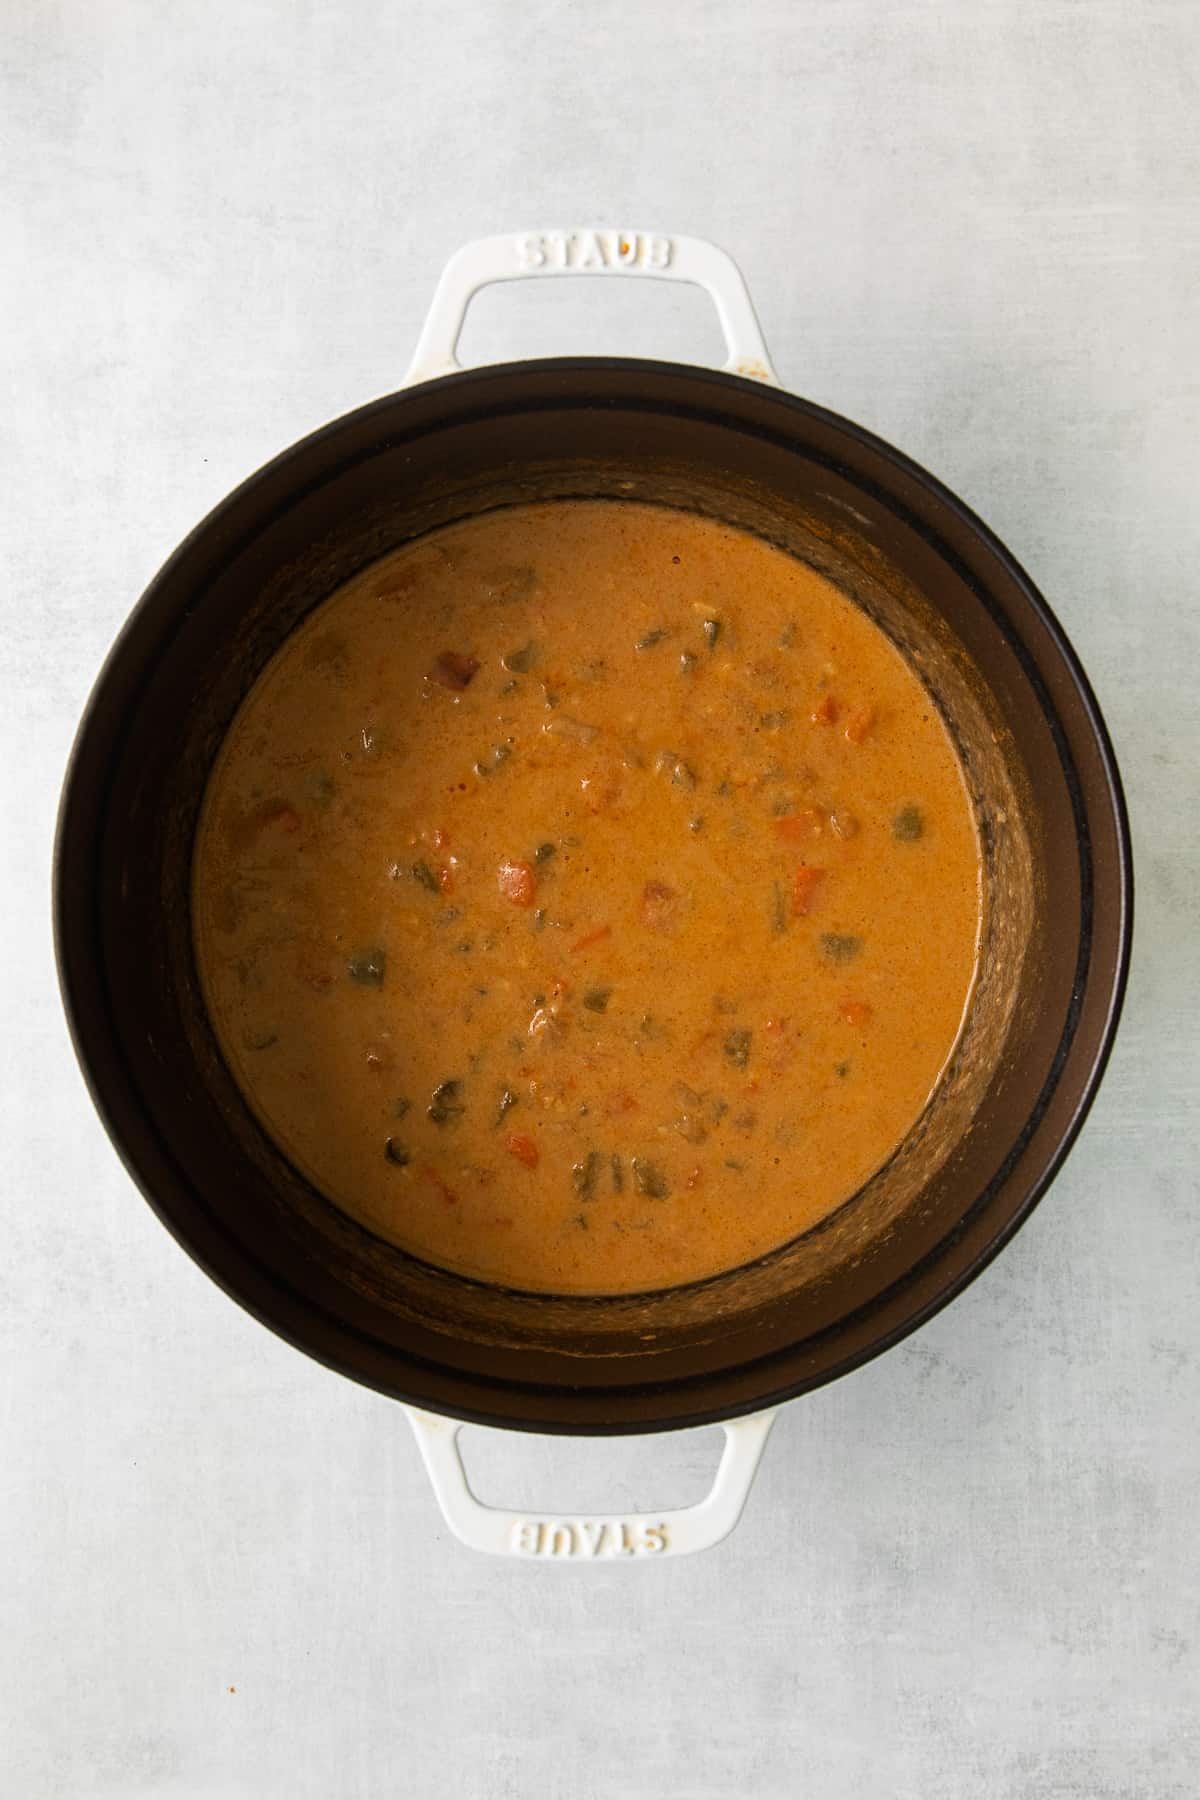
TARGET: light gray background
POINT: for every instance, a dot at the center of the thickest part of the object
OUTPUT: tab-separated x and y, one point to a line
969	1570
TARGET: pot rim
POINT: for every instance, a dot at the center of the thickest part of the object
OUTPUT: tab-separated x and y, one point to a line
277	1314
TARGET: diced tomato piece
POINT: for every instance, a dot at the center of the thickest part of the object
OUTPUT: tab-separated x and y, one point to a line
447	1192
437	839
660	906
797	828
268	815
860	724
806	884
517	882
524	1149
621	1103
274	812
450	670
825	712
855	1012
592	937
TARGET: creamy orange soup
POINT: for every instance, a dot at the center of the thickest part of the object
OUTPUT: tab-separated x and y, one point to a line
587	897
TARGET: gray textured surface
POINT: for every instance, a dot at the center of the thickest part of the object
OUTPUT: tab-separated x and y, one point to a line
970	1569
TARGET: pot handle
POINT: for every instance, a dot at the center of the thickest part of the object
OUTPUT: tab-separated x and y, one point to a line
590	1537
533	255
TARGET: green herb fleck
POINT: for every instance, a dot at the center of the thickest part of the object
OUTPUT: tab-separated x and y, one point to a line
712	631
320	787
778	908
737	1048
648	639
539	919
841	1070
500	753
649	1179
446	1103
596	999
544	852
422	873
367	967
396	1153
519	662
687	661
576	731
585	1174
775	721
402	1108
840	947
618	1175
675	769
908	825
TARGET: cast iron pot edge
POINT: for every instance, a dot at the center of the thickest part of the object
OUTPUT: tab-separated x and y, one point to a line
266	1301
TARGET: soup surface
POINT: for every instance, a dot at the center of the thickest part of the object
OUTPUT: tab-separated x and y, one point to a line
587	897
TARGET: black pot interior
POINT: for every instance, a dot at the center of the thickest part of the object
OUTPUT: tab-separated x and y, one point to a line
1050	814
